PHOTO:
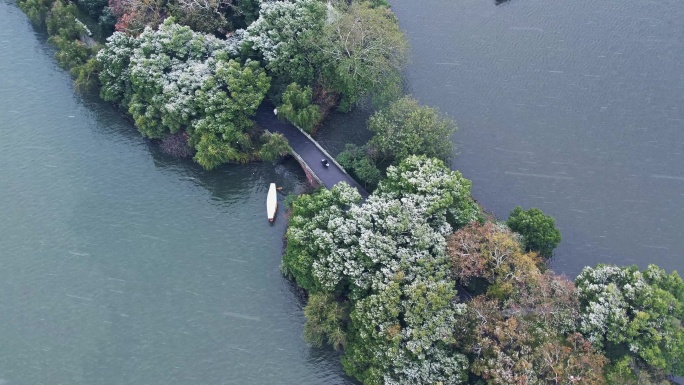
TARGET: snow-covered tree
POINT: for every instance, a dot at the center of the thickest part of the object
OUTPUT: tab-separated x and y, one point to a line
399	261
167	67
285	35
388	257
431	185
634	313
115	75
228	97
314	222
175	79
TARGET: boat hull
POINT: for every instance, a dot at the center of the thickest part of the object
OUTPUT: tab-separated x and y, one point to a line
271	202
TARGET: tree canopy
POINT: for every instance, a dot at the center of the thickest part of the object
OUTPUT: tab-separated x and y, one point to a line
286	36
635	314
387	257
353	48
538	230
298	108
366	50
436	189
360	165
274	147
175	79
406	128
522	328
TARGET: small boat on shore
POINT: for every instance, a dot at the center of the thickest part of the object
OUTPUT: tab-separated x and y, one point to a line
271	202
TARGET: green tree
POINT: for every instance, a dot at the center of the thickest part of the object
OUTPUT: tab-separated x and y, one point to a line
175	79
61	21
378	3
36	10
86	75
107	21
247	11
404	310
406	128
94	8
365	52
275	146
360	165
634	314
326	320
630	371
538	230
298	109
167	68
70	53
312	216
227	98
66	32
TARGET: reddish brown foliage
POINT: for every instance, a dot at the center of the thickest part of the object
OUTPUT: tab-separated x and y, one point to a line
134	15
523	328
492	252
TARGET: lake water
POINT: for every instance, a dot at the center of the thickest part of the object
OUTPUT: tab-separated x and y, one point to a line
119	265
574	107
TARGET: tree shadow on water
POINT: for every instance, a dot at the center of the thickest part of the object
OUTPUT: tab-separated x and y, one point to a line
227	183
233	182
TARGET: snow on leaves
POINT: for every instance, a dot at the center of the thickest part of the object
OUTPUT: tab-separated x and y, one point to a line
642	311
388	256
174	79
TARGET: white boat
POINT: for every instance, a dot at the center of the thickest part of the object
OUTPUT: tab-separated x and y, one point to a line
271	202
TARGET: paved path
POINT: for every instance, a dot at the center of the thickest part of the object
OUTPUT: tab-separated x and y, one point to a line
307	148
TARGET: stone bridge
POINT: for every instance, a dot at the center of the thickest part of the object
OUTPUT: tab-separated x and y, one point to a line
307	151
